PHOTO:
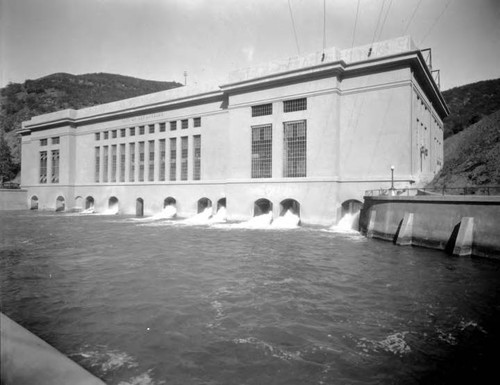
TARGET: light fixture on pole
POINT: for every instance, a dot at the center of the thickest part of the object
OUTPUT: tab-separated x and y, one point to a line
392	177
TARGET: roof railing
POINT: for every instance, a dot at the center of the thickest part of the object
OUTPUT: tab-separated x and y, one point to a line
465	190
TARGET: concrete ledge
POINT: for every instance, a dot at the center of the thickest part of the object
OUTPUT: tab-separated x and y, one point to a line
26	359
459	225
13	199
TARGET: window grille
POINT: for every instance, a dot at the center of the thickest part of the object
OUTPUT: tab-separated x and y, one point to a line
262	146
263	109
173	158
295	149
141	161
113	163
55	166
97	136
97	164
43	142
113	134
196	122
196	157
122	162
173	125
184	124
184	158
106	134
105	163
151	128
123	132
141	130
43	166
132	131
295	105
131	172
162	127
151	163
162	157
55	140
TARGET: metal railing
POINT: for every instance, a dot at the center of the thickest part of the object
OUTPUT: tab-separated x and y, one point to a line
10	185
466	190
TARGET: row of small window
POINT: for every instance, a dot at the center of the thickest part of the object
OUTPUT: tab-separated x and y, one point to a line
288	106
294	150
111	161
45	141
142	129
54	167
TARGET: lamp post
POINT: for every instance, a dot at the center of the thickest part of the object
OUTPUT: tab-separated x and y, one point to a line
392	178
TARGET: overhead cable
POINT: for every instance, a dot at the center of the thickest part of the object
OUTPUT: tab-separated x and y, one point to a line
412	16
293	25
435	22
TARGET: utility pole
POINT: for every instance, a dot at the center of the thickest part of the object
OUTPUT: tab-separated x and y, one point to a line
185	77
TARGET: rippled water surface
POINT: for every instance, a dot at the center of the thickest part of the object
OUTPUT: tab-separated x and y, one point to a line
155	303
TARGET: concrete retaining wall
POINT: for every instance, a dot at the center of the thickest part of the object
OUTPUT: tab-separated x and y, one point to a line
460	225
13	199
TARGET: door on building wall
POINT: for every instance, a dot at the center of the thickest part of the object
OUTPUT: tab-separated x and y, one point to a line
139	207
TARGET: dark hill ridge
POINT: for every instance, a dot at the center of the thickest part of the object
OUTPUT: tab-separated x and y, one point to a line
59	91
472	157
470	103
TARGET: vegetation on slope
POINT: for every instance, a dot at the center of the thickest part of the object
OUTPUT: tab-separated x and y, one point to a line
20	102
472	157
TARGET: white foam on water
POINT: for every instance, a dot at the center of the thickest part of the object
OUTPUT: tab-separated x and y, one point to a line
200	218
90	210
393	343
349	224
269	348
142	379
168	212
113	210
106	359
220	216
262	221
287	221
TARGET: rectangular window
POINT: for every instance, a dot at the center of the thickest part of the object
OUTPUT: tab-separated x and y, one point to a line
43	166
43	142
173	159
262	149
196	157
151	161
184	158
294	149
55	140
262	109
141	161
173	125
123	132
197	122
131	131
97	158
141	130
184	124
113	134
151	128
162	158
295	105
55	166
97	136
106	134
131	171
162	127
105	163
122	162
113	163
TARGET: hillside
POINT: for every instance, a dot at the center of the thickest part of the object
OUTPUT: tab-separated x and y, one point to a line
472	157
60	91
470	103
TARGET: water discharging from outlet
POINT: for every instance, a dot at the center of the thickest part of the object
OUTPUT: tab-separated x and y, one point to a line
90	210
287	221
348	223
262	221
220	216
200	218
111	210
168	212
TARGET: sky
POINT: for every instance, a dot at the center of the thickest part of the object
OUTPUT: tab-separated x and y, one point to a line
160	39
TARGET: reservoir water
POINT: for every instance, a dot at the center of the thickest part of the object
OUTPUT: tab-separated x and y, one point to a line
159	302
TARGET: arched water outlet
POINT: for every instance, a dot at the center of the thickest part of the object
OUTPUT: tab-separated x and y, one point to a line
262	206
350	216
169	201
139	207
203	204
351	206
60	203
79	203
221	214
289	214
221	203
89	203
113	206
34	203
169	209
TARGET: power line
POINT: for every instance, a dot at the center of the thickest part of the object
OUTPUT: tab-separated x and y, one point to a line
385	18
435	22
378	21
324	25
412	16
354	30
293	25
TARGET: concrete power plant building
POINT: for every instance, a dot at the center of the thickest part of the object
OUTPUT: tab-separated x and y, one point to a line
309	134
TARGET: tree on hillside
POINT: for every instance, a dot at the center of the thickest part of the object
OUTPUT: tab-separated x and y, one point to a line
8	169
